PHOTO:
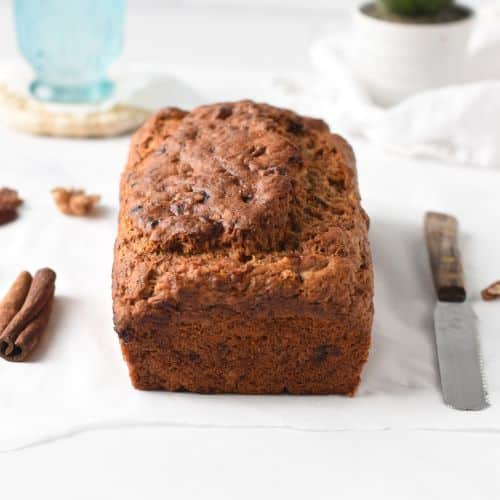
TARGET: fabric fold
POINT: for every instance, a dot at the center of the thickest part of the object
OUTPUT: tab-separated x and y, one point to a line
457	124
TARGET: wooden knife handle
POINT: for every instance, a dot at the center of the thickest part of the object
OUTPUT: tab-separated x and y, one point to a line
441	233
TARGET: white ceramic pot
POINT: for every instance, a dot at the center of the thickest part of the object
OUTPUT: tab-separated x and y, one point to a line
395	60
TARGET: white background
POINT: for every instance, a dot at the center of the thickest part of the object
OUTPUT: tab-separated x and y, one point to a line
179	463
265	34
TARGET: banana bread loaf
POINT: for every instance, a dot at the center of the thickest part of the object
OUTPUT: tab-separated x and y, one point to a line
242	262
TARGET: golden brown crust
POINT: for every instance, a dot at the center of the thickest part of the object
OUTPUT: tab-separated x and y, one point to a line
242	212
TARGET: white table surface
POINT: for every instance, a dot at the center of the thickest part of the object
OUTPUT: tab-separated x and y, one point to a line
182	462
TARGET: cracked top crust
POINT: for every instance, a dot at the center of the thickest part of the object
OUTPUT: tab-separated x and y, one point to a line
239	204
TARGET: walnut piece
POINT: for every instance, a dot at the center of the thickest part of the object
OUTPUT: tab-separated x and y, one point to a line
492	292
9	202
74	201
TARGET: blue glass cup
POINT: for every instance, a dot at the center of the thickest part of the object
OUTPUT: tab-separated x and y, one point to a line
70	44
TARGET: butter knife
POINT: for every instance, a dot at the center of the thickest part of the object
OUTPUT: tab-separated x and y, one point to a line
455	323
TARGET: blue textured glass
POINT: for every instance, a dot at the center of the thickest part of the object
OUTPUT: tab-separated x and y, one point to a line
70	44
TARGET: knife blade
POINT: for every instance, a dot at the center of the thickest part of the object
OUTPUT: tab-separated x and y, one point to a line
455	323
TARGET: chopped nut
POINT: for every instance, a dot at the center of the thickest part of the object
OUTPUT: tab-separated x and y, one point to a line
7	216
74	201
9	199
492	292
9	202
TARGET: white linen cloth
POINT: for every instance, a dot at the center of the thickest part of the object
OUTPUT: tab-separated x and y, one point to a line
77	380
458	124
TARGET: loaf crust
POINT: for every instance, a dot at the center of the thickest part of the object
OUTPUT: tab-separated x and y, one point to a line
242	261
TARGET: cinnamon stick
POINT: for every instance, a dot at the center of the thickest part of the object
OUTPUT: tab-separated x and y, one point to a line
28	339
24	314
14	299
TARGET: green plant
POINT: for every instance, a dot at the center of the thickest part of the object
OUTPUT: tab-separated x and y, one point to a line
413	8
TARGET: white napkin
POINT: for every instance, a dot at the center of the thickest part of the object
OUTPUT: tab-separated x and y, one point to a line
78	382
455	124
